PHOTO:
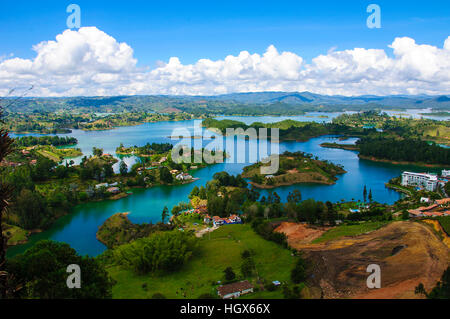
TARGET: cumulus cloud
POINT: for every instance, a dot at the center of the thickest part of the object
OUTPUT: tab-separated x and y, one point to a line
90	62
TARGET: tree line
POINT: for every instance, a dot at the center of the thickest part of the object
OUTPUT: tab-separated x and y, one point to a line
27	141
409	150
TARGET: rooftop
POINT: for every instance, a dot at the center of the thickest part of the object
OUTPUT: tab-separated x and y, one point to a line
234	287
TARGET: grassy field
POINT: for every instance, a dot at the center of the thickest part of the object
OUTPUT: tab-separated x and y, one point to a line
57	154
15	234
200	275
349	230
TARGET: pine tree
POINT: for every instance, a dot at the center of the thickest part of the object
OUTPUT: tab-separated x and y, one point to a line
165	214
365	193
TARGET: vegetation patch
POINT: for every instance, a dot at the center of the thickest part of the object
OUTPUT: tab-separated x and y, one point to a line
295	168
349	231
200	275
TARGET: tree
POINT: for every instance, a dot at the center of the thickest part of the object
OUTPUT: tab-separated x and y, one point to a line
123	168
202	193
31	209
298	274
165	214
370	195
194	192
247	267
108	171
177	209
294	197
97	151
442	289
229	274
365	193
5	193
42	272
165	176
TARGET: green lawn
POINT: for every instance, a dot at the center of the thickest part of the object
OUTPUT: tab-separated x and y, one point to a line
206	267
15	234
349	230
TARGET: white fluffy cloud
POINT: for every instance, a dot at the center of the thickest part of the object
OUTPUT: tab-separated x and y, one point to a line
90	62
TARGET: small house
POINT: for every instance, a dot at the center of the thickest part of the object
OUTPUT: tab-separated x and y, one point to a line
276	283
235	290
113	190
98	186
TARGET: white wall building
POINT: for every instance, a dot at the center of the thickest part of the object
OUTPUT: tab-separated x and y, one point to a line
446	173
427	181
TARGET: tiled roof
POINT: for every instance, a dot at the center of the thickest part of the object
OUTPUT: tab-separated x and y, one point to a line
234	287
443	201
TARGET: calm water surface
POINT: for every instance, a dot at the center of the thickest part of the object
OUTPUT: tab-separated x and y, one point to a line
145	205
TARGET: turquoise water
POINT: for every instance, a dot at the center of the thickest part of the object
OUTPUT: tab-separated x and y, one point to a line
145	205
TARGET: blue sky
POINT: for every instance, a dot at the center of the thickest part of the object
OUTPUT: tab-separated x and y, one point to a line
190	30
217	47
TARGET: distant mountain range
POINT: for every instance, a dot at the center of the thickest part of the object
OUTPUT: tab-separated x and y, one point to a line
235	103
418	101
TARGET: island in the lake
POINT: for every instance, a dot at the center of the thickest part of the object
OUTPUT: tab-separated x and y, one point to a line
294	168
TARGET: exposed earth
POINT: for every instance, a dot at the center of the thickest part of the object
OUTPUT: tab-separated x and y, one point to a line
408	253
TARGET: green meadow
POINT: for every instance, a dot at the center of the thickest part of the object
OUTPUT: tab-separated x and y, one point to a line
349	231
216	251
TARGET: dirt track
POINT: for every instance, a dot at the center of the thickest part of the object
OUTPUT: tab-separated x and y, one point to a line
339	266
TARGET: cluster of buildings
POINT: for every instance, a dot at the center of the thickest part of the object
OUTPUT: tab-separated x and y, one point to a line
110	188
154	165
215	220
218	221
429	182
439	208
183	177
24	152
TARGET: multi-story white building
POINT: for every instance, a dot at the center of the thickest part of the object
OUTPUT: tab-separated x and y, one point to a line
446	173
427	181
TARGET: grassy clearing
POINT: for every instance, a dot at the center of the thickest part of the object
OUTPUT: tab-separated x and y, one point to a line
199	275
349	231
15	235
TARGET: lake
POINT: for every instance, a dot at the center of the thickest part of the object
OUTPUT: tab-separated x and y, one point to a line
145	205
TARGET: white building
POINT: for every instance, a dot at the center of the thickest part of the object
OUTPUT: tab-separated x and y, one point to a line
183	177
445	173
427	181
